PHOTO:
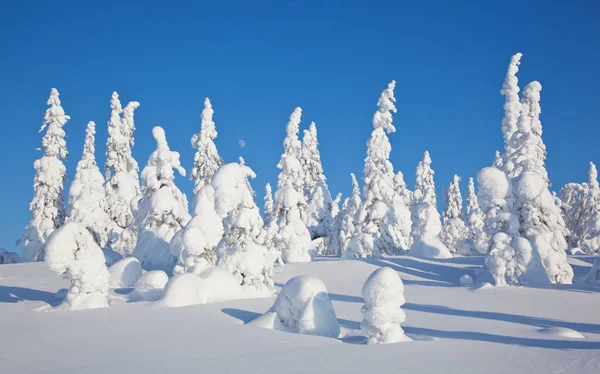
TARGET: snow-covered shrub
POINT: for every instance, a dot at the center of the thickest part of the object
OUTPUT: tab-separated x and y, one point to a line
383	293
426	227
71	249
149	286
242	250
162	209
346	217
125	272
303	306
87	198
48	204
7	257
402	206
454	230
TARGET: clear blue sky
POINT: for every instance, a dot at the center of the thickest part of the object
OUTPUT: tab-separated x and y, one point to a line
258	60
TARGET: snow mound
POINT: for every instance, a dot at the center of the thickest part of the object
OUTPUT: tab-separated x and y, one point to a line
384	295
183	290
149	286
466	280
125	273
561	332
302	306
429	247
593	276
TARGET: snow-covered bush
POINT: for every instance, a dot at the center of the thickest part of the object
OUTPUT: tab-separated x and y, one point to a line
402	206
376	223
242	250
7	257
125	273
590	206
48	204
122	181
454	231
303	306
87	199
426	227
71	249
383	293
162	209
149	286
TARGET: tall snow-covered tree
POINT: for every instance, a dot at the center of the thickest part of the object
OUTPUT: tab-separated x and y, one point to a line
206	159
310	159
377	230
454	230
424	180
48	204
590	205
540	219
512	105
122	180
162	209
474	221
571	197
87	199
293	239
347	214
402	205
242	250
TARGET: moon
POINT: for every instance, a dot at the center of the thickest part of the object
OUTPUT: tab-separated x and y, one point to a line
241	143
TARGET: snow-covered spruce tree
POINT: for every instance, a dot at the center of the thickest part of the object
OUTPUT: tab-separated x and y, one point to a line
72	250
206	159
512	106
48	204
333	246
377	230
540	219
402	205
426	227
572	196
293	238
474	221
310	159
424	180
242	250
454	230
590	240
162	209
87	199
346	216
498	162
122	181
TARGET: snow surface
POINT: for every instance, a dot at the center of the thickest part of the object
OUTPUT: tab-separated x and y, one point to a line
454	329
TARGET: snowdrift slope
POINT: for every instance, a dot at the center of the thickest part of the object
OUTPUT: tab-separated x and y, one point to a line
456	329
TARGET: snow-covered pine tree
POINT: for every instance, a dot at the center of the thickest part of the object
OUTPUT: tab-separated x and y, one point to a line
48	204
590	240
426	227
162	209
293	239
310	159
454	230
571	197
122	180
271	227
540	219
377	230
87	199
424	180
498	162
242	250
402	206
512	106
206	159
474	221
346	216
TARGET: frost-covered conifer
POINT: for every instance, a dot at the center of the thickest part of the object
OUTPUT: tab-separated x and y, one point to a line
162	209
122	181
206	159
310	159
72	250
242	251
402	205
498	161
590	241
571	197
87	199
48	204
512	106
346	217
426	227
474	221
271	227
540	220
293	239
424	180
454	230
377	229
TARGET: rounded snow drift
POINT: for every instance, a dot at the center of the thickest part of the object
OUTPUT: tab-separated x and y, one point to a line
183	290
150	286
125	273
429	247
561	332
466	280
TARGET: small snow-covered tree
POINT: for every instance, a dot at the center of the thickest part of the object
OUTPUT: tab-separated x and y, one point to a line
72	250
571	197
474	221
424	180
512	106
242	251
426	227
384	295
268	206
540	220
293	238
454	230
402	205
122	181
377	229
271	226
346	217
206	159
333	245
87	199
162	209
48	204
310	159
498	162
590	239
